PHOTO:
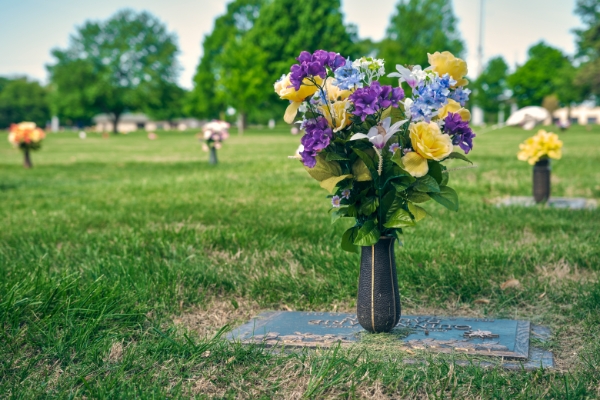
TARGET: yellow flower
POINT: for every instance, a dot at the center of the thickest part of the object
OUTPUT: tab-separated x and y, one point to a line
454	108
334	93
446	63
428	143
543	144
285	90
341	117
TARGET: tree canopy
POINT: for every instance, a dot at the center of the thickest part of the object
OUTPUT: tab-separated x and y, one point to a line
587	77
126	63
419	27
536	79
490	87
21	100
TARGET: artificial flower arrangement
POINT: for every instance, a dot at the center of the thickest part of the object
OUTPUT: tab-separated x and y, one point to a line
214	133
26	136
537	151
378	149
543	145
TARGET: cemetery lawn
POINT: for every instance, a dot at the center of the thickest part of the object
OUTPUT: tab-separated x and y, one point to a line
121	259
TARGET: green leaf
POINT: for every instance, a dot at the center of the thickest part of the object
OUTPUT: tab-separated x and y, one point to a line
397	159
337	213
400	186
368	234
418	197
396	205
369	205
459	156
446	197
366	159
396	115
427	184
387	201
335	157
399	219
324	169
348	240
445	178
435	170
329	184
418	212
360	171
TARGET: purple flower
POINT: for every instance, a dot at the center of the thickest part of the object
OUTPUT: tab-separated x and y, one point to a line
394	147
368	100
406	150
314	65
335	201
317	137
461	133
346	193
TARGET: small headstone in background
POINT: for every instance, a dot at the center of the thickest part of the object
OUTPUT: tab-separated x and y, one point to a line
82	135
271	123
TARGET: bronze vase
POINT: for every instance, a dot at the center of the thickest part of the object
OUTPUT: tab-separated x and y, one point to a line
541	181
378	303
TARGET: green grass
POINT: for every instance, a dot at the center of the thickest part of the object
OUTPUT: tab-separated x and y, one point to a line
107	241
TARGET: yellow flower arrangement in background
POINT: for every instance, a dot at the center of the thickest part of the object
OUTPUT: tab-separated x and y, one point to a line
25	134
542	145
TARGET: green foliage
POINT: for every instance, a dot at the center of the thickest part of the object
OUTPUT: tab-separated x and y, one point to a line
587	77
490	87
207	99
368	234
536	79
23	100
125	63
419	27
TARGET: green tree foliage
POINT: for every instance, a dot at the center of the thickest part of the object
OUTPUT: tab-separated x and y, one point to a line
122	64
207	100
21	100
537	78
287	27
489	88
587	77
419	27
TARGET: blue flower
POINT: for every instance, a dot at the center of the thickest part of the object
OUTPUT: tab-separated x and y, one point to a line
430	96
461	96
347	77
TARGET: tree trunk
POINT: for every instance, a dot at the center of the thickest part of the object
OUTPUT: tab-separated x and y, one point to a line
241	122
27	158
115	120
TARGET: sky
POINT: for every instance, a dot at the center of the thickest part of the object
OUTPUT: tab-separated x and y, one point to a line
29	29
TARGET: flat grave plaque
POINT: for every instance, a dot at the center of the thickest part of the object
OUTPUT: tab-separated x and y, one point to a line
482	336
572	203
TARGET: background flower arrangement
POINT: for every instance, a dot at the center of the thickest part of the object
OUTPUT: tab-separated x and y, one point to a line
379	149
26	136
214	133
541	146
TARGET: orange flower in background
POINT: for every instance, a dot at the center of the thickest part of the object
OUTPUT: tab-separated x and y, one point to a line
25	133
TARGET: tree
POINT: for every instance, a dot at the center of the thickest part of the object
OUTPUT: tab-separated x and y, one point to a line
489	88
419	27
23	100
114	66
587	77
536	79
283	29
206	100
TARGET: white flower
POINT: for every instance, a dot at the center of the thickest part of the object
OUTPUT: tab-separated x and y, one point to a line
381	133
412	77
408	102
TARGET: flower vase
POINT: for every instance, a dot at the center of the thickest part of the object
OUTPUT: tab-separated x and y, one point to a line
541	181
27	158
212	157
378	304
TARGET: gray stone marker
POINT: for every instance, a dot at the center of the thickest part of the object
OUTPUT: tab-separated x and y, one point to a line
503	338
572	203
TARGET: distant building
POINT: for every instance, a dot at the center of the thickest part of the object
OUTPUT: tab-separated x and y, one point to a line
132	122
582	115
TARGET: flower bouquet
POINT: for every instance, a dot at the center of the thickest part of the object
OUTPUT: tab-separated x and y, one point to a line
27	137
537	151
214	133
379	151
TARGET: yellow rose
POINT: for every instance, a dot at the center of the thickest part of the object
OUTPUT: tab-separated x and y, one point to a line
543	144
454	108
341	117
334	93
428	143
446	63
285	90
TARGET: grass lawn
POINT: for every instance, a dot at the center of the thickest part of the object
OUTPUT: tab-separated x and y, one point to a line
121	258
